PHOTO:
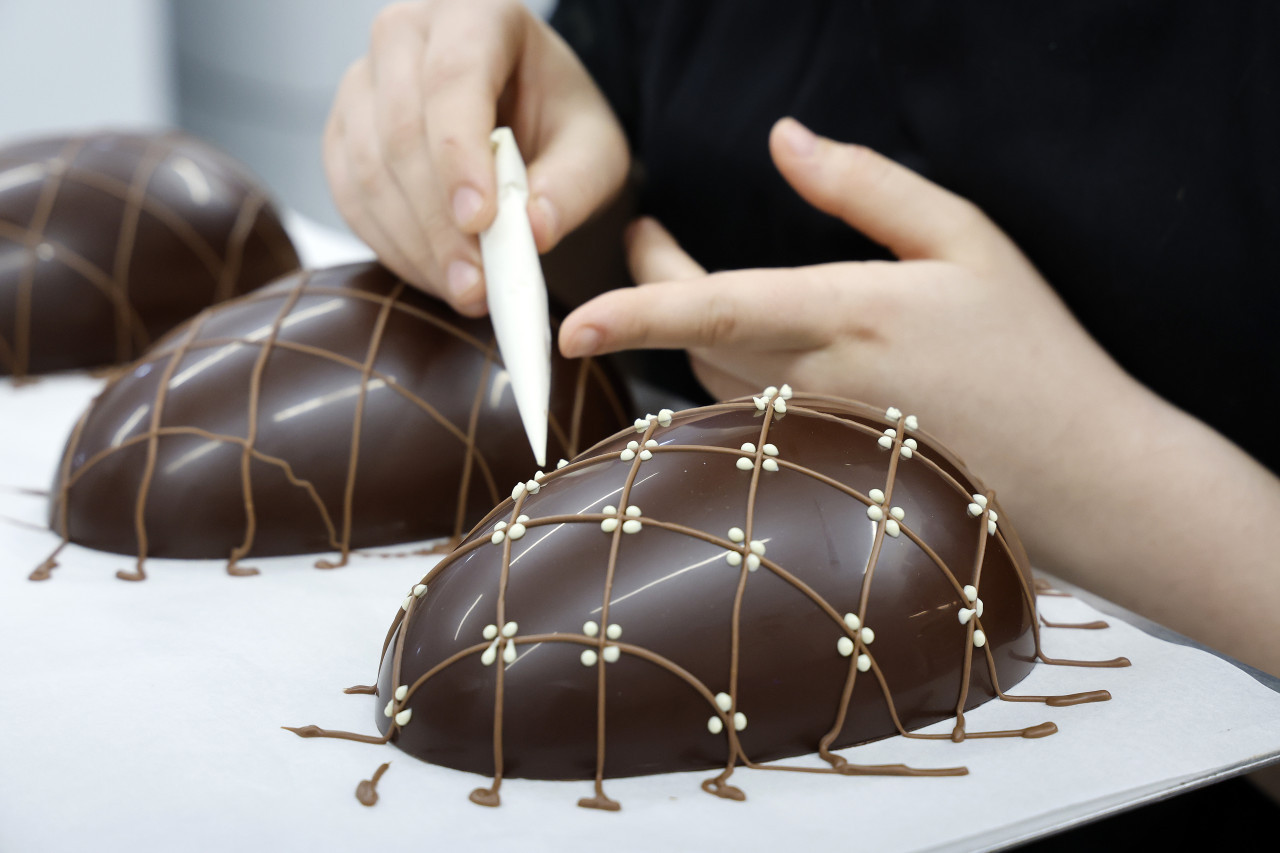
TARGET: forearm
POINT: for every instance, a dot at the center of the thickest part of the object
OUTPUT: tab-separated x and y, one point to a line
1149	507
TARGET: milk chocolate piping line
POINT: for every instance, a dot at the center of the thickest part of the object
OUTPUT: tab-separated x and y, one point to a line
131	335
187	344
397	633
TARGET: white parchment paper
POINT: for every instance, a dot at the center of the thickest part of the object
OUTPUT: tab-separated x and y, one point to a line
146	716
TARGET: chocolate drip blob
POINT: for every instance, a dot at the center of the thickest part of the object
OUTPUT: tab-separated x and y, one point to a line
334	409
107	241
717	588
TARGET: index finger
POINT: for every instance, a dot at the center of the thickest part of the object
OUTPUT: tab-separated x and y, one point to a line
468	59
750	309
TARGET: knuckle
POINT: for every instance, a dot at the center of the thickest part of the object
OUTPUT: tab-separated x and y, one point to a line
719	322
389	22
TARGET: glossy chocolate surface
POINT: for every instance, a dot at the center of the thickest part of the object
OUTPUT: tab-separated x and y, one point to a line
689	614
108	241
331	410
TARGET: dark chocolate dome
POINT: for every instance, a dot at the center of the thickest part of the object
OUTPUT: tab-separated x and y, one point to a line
109	240
331	410
718	587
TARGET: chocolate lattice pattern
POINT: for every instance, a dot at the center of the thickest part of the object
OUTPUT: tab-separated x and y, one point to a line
717	675
406	425
108	240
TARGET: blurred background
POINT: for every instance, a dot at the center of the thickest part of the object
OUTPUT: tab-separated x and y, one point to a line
255	77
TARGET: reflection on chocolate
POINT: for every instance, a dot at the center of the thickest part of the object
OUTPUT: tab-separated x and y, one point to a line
332	410
109	240
720	587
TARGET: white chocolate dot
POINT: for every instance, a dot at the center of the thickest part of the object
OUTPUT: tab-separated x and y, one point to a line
780	406
611	654
627	455
891	528
590	628
771	391
733	558
538	475
509	629
664	417
522	518
736	534
980	500
885	442
561	464
609	525
420	590
844	646
641	424
490	654
770	450
724	701
715	725
891	432
978	607
911	422
404	605
893	413
911	442
868	636
748	447
516	531
387	711
490	631
631	525
497	537
653	442
634	511
517	490
965	615
876	495
769	465
852	620
753	562
401	692
610	510
971	592
904	451
979	638
509	653
614	631
898	513
975	510
588	657
875	513
739	721
745	464
44	252
864	663
760	402
785	391
993	515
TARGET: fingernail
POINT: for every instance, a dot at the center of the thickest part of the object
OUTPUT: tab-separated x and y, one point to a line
548	212
462	277
798	138
466	206
584	342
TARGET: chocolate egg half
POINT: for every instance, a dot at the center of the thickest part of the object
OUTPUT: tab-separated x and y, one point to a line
714	588
109	240
331	410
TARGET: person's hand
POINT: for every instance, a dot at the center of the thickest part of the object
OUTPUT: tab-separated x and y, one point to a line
407	150
961	330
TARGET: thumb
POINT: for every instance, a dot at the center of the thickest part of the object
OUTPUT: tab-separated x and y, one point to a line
909	215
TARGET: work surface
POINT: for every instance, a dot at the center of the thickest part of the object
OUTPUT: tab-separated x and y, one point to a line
138	716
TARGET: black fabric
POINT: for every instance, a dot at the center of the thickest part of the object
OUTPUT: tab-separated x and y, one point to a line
1128	146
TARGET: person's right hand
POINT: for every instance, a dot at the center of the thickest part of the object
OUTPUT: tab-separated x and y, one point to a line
407	150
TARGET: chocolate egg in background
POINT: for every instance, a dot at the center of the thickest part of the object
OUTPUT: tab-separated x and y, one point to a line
109	240
709	589
331	410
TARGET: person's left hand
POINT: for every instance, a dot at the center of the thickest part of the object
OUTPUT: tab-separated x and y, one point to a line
961	329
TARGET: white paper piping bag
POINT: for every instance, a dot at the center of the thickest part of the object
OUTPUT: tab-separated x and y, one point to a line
517	294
